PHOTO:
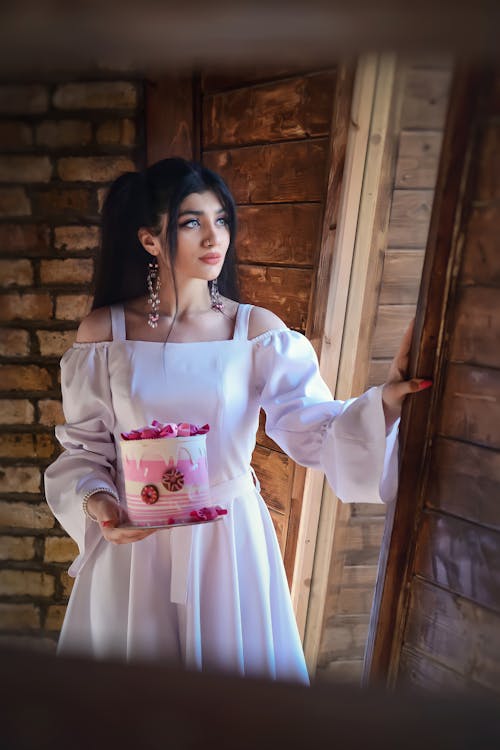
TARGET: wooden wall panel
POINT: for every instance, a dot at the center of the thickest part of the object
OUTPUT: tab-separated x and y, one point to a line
401	277
422	672
470	405
419	158
488	187
464	480
410	217
460	556
277	111
426	99
279	233
392	322
273	173
275	470
284	291
481	257
476	331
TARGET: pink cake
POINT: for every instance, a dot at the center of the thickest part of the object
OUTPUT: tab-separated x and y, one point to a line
166	475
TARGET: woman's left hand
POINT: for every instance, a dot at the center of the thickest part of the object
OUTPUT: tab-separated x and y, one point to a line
397	387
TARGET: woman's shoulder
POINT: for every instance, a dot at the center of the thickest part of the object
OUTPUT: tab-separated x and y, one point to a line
261	321
95	327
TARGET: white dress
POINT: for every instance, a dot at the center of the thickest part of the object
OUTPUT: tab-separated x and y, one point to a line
211	596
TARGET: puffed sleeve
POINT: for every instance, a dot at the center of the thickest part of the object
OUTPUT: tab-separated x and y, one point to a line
88	461
346	440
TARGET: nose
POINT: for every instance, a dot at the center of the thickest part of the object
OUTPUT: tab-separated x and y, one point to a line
210	237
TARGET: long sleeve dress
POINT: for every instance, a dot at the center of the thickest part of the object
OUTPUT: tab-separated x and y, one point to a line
211	596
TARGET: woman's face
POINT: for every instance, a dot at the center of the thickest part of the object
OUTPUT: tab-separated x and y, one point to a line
202	237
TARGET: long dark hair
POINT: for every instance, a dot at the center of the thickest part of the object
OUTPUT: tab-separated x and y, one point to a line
141	199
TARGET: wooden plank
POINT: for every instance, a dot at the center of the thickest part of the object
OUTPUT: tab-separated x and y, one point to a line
481	259
281	110
470	405
476	327
279	234
280	172
274	470
426	99
222	79
410	218
455	632
285	291
418	159
464	480
460	556
489	165
262	438
170	117
401	277
392	322
280	527
378	371
421	672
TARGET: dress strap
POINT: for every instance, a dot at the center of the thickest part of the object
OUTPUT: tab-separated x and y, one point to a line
241	323
118	323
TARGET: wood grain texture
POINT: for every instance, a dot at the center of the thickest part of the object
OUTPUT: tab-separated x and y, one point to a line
401	277
460	556
274	173
170	118
489	164
464	480
392	322
419	671
223	79
470	405
410	218
285	291
281	110
280	527
274	470
378	371
481	259
426	99
456	633
418	159
279	234
475	336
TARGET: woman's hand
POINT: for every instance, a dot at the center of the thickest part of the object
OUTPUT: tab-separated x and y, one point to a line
397	387
109	516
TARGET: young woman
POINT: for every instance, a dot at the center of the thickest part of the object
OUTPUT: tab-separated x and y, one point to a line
211	596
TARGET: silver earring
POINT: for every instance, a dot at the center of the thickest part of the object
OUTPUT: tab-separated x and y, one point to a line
153	283
215	298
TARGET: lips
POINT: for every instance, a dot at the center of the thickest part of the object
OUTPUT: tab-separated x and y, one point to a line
211	258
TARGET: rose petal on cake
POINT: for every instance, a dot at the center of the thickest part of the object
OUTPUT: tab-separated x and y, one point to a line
220	511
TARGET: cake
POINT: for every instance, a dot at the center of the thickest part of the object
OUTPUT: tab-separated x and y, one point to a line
166	475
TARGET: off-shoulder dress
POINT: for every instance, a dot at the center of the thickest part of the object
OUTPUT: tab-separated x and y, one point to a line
211	596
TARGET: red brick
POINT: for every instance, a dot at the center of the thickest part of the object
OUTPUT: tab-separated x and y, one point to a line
55	617
55	343
28	238
76	238
25	307
73	306
96	95
51	412
20	445
101	197
17	548
116	133
14	202
19	616
26	516
15	135
67	583
68	271
20	479
62	133
23	99
24	378
60	549
16	411
18	272
25	169
93	168
62	202
26	583
14	342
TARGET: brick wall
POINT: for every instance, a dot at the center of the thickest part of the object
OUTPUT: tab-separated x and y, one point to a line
61	144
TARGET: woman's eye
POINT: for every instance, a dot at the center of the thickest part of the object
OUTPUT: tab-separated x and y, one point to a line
223	220
190	223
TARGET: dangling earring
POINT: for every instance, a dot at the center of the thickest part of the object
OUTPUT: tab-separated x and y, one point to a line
215	298
153	283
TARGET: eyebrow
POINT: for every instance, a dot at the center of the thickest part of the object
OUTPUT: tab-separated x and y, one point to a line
200	213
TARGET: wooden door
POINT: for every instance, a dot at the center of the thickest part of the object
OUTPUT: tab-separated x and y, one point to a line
436	621
278	138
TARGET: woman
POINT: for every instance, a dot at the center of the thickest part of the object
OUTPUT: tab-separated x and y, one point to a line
215	595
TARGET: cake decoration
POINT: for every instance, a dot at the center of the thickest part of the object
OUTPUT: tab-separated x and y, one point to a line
173	480
149	494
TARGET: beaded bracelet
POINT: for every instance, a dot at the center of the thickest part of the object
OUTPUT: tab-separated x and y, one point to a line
89	494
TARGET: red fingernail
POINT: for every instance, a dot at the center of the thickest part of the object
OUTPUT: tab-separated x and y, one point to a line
424	384
106	523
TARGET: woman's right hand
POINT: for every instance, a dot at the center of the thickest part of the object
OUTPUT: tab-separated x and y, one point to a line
109	516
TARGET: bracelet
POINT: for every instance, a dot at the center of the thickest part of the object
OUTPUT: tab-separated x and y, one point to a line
89	494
